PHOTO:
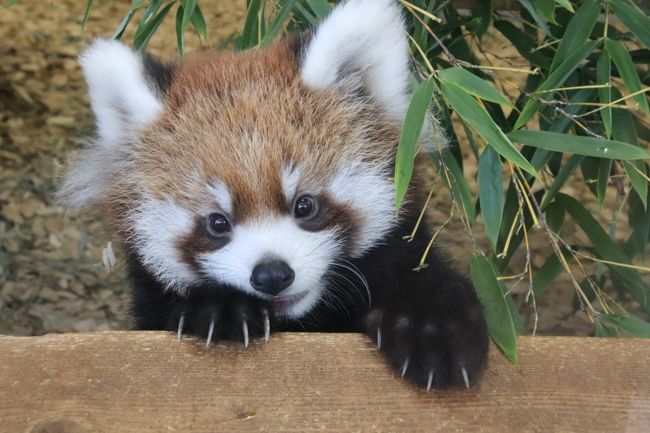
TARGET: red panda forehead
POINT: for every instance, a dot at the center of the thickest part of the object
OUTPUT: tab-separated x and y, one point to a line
243	119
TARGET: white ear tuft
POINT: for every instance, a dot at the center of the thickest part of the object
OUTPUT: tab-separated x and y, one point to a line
120	95
366	36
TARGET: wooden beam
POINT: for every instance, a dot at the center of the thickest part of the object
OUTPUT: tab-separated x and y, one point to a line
149	382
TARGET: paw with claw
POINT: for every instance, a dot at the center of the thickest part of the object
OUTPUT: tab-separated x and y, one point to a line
235	317
439	349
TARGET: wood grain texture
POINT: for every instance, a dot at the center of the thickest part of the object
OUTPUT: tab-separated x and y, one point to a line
149	382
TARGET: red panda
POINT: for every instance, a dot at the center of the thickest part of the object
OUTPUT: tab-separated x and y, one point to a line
253	193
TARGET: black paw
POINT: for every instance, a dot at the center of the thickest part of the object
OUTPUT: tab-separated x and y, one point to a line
438	348
235	317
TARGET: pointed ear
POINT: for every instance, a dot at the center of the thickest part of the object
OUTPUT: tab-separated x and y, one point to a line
362	39
124	88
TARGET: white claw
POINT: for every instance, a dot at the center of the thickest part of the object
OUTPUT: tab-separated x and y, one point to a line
244	329
405	366
378	337
210	331
267	325
181	322
465	377
429	381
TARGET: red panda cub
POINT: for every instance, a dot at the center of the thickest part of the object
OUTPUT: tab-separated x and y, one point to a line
253	193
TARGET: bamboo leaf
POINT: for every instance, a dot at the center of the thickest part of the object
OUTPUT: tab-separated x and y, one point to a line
407	147
577	32
634	18
320	7
198	22
633	326
623	61
150	28
607	250
180	37
477	117
556	79
545	8
565	4
492	295
249	32
472	84
84	21
491	194
604	75
189	6
457	184
278	22
587	146
561	178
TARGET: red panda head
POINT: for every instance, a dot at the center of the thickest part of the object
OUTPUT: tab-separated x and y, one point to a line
257	170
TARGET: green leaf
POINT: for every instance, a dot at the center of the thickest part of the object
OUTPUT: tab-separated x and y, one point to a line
491	195
523	43
636	170
457	184
634	18
180	39
198	22
189	6
150	28
556	79
623	61
278	22
545	8
119	31
249	33
607	250
550	270
577	32
633	326
84	21
604	75
481	13
561	178
587	146
472	84
408	141
147	15
320	7
604	169
492	295
565	4
477	117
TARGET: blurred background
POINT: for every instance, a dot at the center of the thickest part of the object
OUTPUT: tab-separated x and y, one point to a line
53	276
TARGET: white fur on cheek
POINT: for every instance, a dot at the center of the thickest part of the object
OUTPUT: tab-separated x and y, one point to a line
368	190
309	254
366	36
119	94
290	179
157	226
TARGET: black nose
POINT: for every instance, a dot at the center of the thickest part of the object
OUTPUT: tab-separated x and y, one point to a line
272	277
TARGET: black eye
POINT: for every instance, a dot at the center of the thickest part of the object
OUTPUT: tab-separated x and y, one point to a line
305	207
218	224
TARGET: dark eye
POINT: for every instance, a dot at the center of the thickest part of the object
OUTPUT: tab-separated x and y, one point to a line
218	224
305	207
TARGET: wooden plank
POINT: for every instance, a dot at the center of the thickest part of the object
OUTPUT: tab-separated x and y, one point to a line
148	382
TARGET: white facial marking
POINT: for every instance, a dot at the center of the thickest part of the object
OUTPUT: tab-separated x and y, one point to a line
157	226
366	36
309	254
368	190
220	192
290	179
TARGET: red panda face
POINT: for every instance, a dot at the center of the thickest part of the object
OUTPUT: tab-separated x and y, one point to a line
260	171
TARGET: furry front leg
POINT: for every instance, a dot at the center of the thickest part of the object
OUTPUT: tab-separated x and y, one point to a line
211	312
429	323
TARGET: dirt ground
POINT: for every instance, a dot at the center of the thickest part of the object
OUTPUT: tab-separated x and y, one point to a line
51	274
